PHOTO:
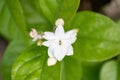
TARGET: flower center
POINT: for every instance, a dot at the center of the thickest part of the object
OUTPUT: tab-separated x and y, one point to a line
60	42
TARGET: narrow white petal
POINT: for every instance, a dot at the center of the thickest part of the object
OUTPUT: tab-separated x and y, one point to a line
59	32
70	51
51	61
60	52
71	40
50	43
50	52
49	35
71	36
46	43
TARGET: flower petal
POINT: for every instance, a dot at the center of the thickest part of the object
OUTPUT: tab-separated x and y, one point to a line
46	43
37	37
59	31
50	52
70	51
71	40
71	36
49	35
71	33
50	43
60	52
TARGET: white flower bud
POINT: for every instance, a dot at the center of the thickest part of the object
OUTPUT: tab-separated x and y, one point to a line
33	33
59	21
51	61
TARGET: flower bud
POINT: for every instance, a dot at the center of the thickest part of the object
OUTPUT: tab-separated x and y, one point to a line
33	33
51	61
59	21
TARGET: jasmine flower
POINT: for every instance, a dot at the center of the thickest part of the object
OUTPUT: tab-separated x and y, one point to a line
59	43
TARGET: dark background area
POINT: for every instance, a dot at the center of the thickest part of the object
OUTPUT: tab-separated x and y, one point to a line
110	8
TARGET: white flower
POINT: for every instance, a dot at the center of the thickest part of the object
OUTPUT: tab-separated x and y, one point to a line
34	34
60	43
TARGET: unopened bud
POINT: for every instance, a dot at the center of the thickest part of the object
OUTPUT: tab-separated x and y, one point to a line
33	33
59	21
51	61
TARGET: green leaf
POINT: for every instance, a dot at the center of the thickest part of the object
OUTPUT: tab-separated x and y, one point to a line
67	9
12	33
110	71
90	70
49	9
53	9
98	37
7	26
71	68
17	14
32	12
118	23
10	55
34	17
32	65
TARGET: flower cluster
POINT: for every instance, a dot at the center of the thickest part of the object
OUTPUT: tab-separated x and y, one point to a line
59	43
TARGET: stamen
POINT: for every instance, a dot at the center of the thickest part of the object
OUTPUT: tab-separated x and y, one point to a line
60	42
